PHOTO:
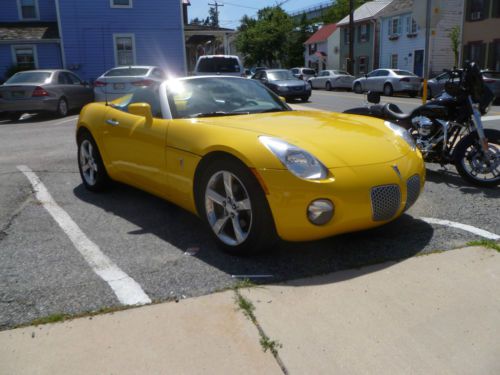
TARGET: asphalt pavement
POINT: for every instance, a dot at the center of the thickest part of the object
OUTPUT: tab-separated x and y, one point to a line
166	250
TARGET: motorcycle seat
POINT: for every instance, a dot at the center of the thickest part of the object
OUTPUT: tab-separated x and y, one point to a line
393	111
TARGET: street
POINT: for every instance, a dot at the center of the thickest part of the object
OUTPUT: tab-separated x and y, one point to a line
166	250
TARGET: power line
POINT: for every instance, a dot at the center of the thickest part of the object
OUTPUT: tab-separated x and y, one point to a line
239	6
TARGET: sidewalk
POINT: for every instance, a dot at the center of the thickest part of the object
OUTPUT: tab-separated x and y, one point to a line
434	314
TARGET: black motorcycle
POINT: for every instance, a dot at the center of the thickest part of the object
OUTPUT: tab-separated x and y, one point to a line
448	129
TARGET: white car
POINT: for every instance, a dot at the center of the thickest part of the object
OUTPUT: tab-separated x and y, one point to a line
303	73
388	81
332	79
123	80
227	65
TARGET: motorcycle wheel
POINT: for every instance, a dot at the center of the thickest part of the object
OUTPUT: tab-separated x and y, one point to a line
473	165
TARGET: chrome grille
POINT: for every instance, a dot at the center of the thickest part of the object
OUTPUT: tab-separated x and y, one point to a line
386	201
412	190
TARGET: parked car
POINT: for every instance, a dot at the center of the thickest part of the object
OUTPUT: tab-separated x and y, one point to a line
303	73
124	80
332	79
250	167
492	80
57	91
388	81
219	64
284	83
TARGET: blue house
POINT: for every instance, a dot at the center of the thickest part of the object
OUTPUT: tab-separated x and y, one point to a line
92	36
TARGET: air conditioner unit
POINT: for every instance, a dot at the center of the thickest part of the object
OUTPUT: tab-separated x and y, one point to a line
475	16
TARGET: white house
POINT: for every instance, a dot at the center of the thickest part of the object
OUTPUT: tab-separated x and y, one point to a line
322	48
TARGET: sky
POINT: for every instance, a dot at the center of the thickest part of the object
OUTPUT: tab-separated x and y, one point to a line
232	11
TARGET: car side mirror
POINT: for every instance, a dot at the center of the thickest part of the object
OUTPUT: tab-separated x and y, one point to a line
263	79
141	109
373	97
283	99
366	76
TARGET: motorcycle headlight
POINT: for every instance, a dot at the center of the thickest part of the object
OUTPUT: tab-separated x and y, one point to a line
298	161
402	132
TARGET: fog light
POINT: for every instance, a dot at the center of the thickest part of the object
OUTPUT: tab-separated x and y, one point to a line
320	211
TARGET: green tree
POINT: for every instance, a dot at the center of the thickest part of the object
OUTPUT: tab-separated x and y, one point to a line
303	29
213	17
340	9
454	36
265	40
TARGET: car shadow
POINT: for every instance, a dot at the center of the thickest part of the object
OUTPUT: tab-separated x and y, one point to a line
396	241
451	178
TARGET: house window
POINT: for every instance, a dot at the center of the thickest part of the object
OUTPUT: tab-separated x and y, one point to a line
411	25
475	51
394	61
394	26
24	56
121	3
124	49
312	48
362	64
28	9
477	10
363	32
346	36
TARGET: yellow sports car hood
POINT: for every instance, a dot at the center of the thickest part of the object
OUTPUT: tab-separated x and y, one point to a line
336	139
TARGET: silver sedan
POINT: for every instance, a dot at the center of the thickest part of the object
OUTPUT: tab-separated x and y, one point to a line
388	81
56	91
332	79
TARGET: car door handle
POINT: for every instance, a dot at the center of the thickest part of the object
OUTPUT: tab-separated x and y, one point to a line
112	122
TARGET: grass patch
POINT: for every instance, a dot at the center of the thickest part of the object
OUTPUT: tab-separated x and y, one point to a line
490	244
54	318
271	345
245	283
246	306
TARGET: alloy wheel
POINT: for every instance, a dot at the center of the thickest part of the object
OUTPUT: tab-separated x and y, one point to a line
87	162
228	208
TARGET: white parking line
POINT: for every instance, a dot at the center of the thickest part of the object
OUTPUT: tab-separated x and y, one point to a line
65	120
468	228
490	118
126	289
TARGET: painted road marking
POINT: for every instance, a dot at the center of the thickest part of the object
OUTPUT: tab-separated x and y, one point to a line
468	228
126	289
64	121
490	118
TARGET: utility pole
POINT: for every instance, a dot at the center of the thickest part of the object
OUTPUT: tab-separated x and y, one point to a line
350	64
216	5
427	49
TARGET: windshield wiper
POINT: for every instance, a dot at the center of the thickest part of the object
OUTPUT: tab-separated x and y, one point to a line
217	113
273	110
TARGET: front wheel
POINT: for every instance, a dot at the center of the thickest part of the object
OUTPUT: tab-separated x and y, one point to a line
472	163
232	203
388	90
90	165
304	98
357	88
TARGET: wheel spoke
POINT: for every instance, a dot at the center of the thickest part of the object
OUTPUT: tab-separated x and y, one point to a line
219	224
85	153
91	175
90	149
85	167
238	232
243	205
228	179
215	197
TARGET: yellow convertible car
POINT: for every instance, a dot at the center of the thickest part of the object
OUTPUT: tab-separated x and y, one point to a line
230	151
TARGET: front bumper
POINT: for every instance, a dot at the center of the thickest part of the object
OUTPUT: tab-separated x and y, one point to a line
29	105
350	189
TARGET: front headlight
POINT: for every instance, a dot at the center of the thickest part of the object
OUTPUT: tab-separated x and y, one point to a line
402	132
298	161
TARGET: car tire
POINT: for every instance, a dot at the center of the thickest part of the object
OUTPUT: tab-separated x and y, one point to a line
304	98
90	165
328	86
412	94
388	90
13	116
62	108
357	88
238	217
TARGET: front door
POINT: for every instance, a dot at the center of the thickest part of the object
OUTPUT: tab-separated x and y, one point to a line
418	62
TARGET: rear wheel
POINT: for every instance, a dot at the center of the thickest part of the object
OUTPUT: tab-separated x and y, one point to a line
62	108
234	207
92	170
328	86
473	164
304	98
357	88
388	90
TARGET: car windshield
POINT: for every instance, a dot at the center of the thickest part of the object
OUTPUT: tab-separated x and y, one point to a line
30	77
280	75
218	65
491	75
127	72
220	96
404	73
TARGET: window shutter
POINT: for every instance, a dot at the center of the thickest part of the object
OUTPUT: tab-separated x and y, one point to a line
399	25
486	9
368	27
468	9
358	30
482	58
389	24
491	56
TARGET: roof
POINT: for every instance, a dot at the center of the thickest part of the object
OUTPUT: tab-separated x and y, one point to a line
366	11
28	31
192	27
397	7
322	34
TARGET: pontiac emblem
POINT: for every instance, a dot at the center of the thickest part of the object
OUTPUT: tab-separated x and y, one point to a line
396	169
